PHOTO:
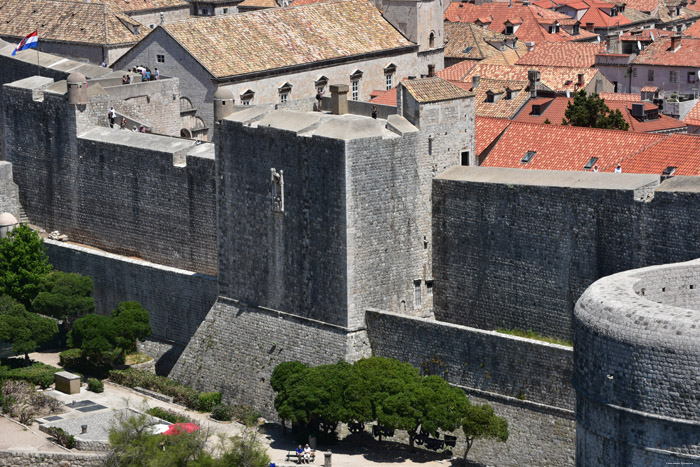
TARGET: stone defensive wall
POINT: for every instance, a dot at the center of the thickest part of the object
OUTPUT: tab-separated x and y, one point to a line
9	192
146	196
526	381
636	366
176	300
516	248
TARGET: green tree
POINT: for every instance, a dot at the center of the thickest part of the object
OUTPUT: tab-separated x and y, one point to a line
94	335
24	330
481	423
131	323
65	296
23	264
244	450
591	111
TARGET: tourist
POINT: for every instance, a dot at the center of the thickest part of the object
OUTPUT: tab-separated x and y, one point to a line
374	111
595	168
123	79
142	129
134	129
157	74
307	454
123	124
112	115
300	453
618	169
128	79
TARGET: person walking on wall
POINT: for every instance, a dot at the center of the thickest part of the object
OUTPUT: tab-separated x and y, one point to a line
112	115
618	169
374	111
157	74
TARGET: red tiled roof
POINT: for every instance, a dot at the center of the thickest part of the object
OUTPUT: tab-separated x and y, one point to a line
384	97
659	53
650	89
560	147
554	112
693	30
456	72
503	107
531	15
487	130
642	5
619	96
552	78
571	54
693	117
601	19
677	150
644	35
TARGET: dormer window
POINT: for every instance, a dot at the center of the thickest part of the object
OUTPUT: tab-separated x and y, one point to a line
284	91
320	84
536	110
510	29
247	97
613	11
576	29
389	71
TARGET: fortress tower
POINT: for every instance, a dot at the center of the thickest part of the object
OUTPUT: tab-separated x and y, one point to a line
320	217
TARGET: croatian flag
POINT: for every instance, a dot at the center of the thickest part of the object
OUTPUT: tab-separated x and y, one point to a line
29	42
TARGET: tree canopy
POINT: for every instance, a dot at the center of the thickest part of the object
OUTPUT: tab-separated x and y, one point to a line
384	390
95	335
24	330
64	296
23	264
591	111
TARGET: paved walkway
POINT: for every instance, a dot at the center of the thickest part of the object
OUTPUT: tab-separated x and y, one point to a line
345	454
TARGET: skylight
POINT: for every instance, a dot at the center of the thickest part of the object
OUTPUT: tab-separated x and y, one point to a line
589	165
528	157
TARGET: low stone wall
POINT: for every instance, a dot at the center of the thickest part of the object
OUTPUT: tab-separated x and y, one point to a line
177	300
527	382
49	459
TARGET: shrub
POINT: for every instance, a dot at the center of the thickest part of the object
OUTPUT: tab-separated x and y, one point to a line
38	373
61	437
95	385
168	415
246	415
207	400
70	358
181	394
222	412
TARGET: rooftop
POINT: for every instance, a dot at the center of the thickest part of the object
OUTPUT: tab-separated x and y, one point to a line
469	41
487	130
503	107
567	54
535	20
553	78
677	150
456	72
434	90
687	54
145	5
66	21
693	117
282	37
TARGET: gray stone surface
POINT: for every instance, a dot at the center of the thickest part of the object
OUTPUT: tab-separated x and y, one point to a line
49	459
177	300
636	367
516	248
9	192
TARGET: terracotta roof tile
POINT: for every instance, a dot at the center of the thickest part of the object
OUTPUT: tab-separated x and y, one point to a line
469	41
556	107
693	117
487	130
693	30
262	40
620	96
571	54
601	19
456	72
642	5
144	5
384	97
77	22
503	107
553	78
530	30
659	53
650	89
677	150
259	4
560	147
644	35
434	90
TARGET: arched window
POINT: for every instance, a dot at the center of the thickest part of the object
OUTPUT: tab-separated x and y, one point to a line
431	40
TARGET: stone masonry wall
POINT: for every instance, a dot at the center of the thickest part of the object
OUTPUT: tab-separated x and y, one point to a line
140	195
237	347
525	381
176	300
49	459
485	360
9	193
518	249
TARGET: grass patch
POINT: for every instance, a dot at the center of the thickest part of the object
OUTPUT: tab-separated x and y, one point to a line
137	358
530	334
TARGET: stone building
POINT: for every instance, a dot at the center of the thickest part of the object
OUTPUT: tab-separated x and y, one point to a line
96	32
153	12
671	64
287	54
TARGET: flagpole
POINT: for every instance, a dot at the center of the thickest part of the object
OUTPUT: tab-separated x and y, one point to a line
38	66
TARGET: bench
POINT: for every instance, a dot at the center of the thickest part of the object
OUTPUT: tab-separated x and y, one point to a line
292	456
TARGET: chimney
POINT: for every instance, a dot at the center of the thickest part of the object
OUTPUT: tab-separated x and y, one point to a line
530	46
580	80
339	98
534	77
675	42
476	79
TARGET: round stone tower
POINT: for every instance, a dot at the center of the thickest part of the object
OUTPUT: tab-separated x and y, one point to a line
637	368
223	104
7	223
77	89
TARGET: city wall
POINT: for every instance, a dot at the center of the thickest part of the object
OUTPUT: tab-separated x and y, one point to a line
139	195
516	248
9	192
177	300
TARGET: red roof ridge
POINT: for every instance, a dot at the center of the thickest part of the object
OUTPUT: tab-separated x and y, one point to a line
653	143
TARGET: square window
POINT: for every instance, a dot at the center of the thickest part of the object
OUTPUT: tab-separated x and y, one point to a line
225	10
160	58
673	76
691	77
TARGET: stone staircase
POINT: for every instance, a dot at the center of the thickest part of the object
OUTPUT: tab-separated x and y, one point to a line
23	219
